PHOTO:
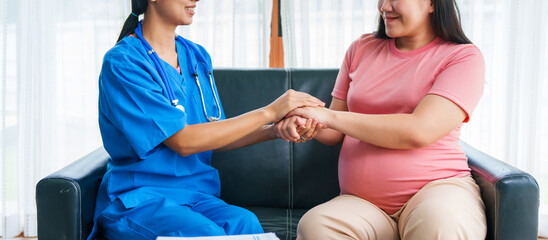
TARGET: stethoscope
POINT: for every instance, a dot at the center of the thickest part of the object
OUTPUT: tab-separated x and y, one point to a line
193	68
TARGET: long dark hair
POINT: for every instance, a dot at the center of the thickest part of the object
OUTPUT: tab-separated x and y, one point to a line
138	7
445	22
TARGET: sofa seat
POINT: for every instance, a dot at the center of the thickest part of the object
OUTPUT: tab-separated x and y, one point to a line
277	180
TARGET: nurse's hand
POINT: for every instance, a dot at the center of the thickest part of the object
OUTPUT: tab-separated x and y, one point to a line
289	101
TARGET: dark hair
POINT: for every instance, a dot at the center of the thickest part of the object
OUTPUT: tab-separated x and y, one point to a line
138	7
445	22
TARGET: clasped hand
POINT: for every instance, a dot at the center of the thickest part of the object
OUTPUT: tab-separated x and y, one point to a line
302	124
298	116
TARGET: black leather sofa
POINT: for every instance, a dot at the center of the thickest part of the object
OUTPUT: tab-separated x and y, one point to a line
280	181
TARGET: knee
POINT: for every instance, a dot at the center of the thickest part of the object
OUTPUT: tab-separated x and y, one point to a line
438	221
243	221
313	225
208	229
310	220
197	229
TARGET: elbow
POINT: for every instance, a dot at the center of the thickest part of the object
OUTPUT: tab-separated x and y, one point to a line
182	149
330	138
182	144
185	153
417	139
332	142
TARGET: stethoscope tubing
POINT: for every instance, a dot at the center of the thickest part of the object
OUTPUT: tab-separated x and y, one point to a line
161	70
193	70
211	119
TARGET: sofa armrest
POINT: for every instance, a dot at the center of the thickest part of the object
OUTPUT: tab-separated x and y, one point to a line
511	196
65	200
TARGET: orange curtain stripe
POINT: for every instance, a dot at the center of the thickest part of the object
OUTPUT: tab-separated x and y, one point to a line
276	43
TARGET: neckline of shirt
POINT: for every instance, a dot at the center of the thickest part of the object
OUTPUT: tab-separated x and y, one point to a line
405	54
136	42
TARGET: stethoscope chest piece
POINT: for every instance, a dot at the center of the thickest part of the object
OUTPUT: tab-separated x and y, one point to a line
212	119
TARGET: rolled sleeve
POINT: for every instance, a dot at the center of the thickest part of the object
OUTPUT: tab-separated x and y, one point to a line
138	106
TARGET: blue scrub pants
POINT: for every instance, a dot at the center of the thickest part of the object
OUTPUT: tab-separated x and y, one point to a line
165	217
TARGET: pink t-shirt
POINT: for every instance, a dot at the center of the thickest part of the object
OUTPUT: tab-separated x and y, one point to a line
377	78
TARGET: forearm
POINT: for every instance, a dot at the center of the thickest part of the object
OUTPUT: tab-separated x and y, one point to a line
395	131
214	135
262	134
433	118
329	136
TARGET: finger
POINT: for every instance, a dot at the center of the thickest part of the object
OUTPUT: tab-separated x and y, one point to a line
293	128
312	129
301	99
301	130
307	102
314	134
306	127
282	130
300	121
308	134
313	102
278	130
289	129
311	98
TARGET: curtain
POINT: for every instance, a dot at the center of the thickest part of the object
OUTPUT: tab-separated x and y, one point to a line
509	121
316	33
235	32
512	35
51	53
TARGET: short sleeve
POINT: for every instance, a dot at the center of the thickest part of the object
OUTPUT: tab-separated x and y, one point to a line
342	83
462	79
137	105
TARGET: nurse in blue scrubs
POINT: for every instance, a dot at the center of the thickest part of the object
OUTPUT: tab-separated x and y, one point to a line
160	120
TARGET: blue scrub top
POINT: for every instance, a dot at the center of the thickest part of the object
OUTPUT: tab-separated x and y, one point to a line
135	117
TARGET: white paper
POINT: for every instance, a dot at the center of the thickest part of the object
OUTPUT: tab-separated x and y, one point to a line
263	236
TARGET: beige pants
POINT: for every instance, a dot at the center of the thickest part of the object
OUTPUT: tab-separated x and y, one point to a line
443	209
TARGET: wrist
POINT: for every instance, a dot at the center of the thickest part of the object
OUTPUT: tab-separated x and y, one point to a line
269	114
272	133
331	118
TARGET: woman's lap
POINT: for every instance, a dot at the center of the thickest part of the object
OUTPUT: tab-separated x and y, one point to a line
443	209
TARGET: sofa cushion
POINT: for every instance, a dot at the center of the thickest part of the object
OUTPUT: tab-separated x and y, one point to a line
241	182
293	177
314	165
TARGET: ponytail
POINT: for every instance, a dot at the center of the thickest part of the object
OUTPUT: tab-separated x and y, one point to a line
138	7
